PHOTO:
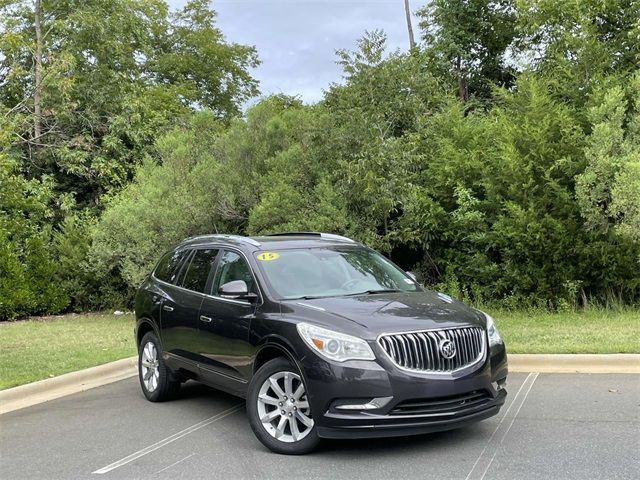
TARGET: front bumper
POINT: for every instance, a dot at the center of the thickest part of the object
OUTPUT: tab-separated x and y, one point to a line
418	403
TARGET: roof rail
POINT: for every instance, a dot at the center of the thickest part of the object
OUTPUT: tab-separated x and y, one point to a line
327	236
240	238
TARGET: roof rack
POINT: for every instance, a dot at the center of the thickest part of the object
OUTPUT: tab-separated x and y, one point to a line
239	238
326	236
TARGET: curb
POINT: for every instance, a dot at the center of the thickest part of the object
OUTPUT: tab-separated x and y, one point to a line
574	363
74	382
60	386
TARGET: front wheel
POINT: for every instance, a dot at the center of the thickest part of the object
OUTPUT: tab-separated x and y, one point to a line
278	409
155	377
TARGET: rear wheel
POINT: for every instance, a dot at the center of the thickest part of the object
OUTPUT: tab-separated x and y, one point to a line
278	409
155	377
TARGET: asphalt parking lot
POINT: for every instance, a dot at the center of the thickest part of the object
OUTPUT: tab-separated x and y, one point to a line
552	426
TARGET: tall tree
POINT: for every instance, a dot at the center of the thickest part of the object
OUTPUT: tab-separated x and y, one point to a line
37	65
107	77
466	42
407	12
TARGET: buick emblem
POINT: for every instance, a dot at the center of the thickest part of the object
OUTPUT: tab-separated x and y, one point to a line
447	348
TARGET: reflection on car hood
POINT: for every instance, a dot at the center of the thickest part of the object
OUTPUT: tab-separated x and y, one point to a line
392	312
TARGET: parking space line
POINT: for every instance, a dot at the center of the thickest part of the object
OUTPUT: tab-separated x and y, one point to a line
168	440
488	454
175	463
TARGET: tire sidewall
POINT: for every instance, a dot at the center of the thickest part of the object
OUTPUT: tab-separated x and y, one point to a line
300	447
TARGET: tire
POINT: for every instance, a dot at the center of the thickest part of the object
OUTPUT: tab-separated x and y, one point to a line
156	380
287	429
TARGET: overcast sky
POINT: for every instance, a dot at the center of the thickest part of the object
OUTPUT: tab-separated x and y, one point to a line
296	39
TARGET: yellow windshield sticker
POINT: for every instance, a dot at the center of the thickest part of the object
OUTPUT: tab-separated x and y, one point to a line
267	256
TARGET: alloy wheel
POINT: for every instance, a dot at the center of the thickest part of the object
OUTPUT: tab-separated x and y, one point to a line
150	367
283	407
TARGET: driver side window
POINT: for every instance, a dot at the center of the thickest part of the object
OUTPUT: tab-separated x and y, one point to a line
232	266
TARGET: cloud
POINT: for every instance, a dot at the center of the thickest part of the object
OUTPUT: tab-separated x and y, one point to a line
296	39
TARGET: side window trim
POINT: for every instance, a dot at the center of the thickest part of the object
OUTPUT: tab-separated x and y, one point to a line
184	267
213	270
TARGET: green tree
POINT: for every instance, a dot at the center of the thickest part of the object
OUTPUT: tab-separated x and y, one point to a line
113	74
27	271
466	40
578	43
609	188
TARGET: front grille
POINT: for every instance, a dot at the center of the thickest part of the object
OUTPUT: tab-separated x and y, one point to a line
421	351
457	404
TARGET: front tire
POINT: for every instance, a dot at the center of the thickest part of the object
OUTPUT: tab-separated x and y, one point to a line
154	375
278	409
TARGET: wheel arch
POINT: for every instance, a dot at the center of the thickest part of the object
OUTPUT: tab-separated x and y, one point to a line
271	348
143	327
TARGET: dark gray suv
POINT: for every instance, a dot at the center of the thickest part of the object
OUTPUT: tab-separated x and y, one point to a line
324	337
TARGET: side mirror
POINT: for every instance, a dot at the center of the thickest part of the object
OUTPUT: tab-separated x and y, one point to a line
237	290
412	276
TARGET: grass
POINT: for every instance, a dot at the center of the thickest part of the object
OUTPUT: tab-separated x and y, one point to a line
588	331
39	348
44	347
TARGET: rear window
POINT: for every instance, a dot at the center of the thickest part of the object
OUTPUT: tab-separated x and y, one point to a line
169	267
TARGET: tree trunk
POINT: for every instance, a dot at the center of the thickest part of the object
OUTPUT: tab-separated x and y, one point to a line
37	123
462	82
407	11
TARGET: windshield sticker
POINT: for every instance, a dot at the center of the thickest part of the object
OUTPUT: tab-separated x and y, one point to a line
268	256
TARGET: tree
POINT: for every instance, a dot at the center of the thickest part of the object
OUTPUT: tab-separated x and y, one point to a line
466	41
578	44
609	188
407	12
109	76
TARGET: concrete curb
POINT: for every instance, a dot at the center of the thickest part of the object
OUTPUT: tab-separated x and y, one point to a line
74	382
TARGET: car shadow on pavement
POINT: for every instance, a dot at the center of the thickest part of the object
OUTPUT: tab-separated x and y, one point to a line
380	447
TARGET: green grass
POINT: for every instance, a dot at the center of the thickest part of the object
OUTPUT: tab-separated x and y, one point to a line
39	348
589	331
34	349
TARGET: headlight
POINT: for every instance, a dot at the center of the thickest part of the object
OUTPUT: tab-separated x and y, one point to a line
492	332
333	345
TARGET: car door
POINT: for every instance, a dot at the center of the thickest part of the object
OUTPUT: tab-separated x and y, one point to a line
225	354
180	307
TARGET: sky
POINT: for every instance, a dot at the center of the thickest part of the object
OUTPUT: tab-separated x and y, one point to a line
296	40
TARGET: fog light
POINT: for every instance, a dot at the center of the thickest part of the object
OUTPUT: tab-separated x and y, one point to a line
370	405
499	385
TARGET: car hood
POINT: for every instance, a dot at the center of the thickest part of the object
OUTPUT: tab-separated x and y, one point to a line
374	314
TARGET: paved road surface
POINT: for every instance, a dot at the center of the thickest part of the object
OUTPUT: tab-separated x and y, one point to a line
553	426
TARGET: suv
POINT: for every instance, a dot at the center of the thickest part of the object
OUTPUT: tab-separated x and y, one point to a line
324	337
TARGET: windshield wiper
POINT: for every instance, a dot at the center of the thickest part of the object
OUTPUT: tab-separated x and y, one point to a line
308	297
375	291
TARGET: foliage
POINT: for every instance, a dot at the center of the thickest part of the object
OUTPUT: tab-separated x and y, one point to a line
115	74
609	190
26	270
499	159
466	41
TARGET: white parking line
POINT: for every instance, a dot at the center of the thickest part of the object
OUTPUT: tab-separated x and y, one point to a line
168	440
175	463
484	461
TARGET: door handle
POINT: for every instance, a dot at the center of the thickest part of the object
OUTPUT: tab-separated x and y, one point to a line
205	319
167	308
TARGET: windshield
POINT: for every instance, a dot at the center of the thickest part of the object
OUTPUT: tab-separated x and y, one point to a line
332	271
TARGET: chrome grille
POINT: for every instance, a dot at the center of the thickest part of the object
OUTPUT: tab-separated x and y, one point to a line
420	351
